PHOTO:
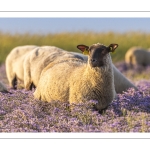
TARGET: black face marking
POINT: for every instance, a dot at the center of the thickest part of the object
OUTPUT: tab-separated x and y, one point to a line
96	55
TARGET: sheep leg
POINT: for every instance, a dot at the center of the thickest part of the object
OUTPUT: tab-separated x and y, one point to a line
14	83
27	75
10	75
28	86
32	86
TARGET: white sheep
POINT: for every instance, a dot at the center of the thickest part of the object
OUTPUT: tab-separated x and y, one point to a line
75	81
121	82
42	56
14	64
3	88
137	56
38	59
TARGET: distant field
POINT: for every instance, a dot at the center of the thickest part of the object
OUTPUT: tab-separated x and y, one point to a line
70	40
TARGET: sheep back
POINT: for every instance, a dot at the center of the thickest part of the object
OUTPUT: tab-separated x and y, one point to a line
137	56
38	59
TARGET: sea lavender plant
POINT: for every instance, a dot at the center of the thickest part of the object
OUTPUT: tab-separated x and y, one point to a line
129	112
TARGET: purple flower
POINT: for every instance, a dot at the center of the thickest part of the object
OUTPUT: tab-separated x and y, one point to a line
129	112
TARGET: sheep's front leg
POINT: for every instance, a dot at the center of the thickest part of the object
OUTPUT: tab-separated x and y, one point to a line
27	76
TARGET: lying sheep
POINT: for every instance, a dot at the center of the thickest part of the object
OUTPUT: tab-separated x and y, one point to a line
137	56
120	81
42	56
75	81
3	88
14	64
38	59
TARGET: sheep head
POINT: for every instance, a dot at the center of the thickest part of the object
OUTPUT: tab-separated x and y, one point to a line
97	53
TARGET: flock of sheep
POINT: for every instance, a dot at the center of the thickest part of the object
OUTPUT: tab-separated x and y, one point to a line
57	74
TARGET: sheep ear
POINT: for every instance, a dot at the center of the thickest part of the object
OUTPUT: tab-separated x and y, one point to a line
84	49
112	47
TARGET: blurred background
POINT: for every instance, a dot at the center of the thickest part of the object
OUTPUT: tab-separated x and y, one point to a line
67	33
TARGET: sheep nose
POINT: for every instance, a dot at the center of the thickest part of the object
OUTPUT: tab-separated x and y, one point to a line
93	60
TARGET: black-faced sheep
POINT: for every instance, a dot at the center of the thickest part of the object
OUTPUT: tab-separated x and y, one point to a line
38	59
120	81
14	64
137	56
75	81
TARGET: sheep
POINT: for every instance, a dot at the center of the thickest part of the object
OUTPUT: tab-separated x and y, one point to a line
14	64
38	59
137	56
77	81
3	88
42	56
120	81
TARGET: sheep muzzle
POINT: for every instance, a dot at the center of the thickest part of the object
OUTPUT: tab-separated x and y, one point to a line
96	63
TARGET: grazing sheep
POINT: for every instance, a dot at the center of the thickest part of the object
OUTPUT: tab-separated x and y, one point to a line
120	81
3	88
38	59
137	56
14	64
75	81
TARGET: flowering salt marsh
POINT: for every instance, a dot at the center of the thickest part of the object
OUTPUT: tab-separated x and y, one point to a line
129	112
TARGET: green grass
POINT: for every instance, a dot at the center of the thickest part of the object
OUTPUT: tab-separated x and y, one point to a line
69	41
